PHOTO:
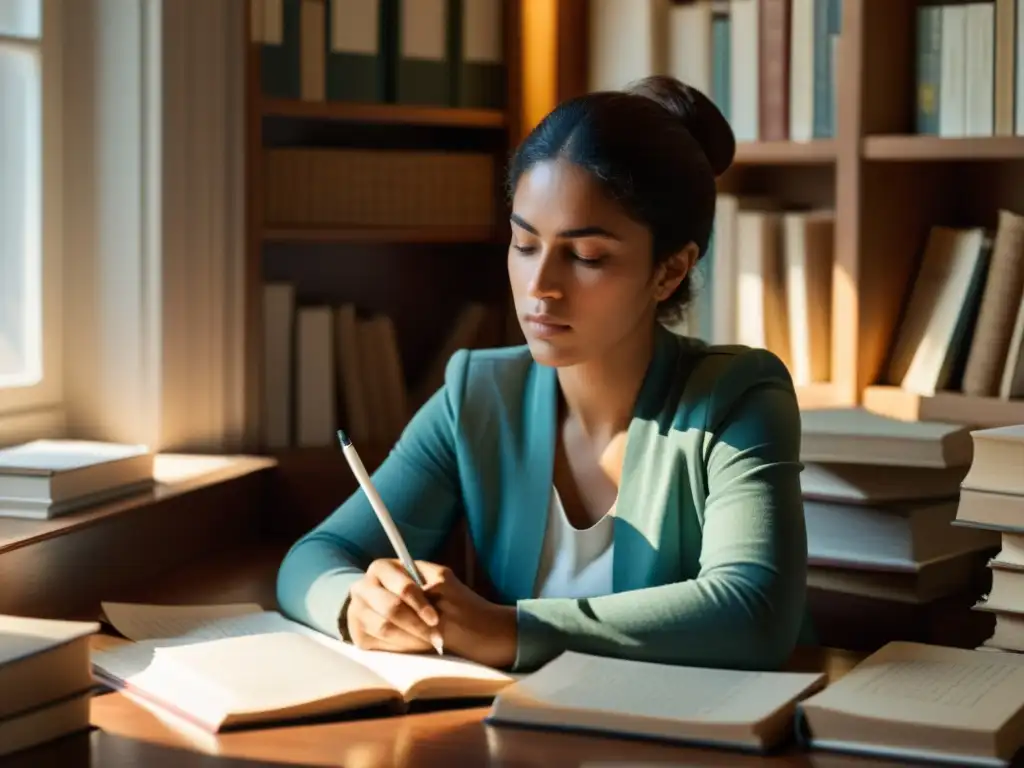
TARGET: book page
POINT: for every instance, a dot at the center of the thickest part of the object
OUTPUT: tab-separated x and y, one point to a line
273	671
137	621
428	675
925	684
662	692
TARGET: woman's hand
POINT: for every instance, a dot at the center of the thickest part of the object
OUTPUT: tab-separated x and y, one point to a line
387	611
473	628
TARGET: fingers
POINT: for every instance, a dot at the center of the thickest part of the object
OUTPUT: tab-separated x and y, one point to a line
434	575
379	620
394	578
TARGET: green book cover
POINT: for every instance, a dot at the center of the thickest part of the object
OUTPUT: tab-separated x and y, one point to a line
359	56
424	47
281	50
720	60
479	53
929	68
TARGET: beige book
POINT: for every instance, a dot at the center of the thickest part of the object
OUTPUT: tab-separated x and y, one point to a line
761	285
998	311
808	260
45	723
1011	384
249	666
857	484
918	701
721	707
998	459
41	661
858	436
56	472
945	283
986	509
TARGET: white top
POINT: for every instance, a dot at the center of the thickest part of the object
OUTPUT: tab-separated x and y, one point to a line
574	563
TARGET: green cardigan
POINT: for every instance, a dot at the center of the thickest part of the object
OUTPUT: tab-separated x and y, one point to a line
710	550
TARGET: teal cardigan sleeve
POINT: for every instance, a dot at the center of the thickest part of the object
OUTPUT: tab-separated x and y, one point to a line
745	608
419	484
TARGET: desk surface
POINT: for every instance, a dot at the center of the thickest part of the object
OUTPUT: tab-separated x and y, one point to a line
128	735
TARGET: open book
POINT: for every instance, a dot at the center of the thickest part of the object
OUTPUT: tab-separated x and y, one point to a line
237	665
716	707
922	702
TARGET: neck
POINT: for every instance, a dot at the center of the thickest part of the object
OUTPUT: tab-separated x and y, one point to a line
600	394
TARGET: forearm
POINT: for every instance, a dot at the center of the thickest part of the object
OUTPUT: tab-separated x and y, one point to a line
314	581
741	617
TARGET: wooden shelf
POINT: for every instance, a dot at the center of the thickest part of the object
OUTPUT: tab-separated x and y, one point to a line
952	407
819	152
393	114
381	235
913	147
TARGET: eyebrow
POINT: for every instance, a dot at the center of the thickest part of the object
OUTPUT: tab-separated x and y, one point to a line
568	233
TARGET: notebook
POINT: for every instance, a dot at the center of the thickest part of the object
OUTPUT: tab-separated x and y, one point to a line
914	701
750	711
233	666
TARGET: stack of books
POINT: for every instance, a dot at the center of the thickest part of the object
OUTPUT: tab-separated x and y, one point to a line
47	478
992	500
46	680
885	560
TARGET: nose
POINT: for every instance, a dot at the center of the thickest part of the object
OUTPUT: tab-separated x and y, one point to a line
546	282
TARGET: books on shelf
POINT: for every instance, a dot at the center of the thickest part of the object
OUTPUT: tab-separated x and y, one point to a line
222	667
770	65
962	329
968	69
771	271
331	366
45	680
423	52
46	478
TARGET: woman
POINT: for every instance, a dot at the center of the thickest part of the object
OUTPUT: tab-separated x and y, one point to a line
629	492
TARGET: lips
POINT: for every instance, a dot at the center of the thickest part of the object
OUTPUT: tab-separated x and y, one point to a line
545	326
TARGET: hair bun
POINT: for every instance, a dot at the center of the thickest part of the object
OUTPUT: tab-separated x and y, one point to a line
698	113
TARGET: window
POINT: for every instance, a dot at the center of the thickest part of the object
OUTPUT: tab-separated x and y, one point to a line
30	234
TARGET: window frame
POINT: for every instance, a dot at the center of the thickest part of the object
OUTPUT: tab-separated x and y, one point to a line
47	394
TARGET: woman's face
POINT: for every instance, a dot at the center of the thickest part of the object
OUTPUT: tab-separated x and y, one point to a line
580	268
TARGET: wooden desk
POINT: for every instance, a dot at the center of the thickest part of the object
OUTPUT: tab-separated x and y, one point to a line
128	735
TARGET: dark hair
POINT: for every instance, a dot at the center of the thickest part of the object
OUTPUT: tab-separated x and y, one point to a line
656	147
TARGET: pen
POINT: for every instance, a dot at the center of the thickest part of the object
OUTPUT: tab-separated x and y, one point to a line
397	542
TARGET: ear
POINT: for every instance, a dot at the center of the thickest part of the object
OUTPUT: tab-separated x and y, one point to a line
674	270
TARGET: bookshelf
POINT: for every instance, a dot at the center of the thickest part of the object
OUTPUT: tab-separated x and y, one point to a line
417	274
888	185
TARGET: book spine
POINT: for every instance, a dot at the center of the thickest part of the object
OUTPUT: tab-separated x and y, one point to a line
822	69
358	56
929	56
720	60
478	53
774	70
281	50
423	63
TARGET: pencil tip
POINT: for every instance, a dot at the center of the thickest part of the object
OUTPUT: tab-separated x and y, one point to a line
343	438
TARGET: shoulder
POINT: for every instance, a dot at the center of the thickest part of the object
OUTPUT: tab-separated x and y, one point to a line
727	381
477	377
